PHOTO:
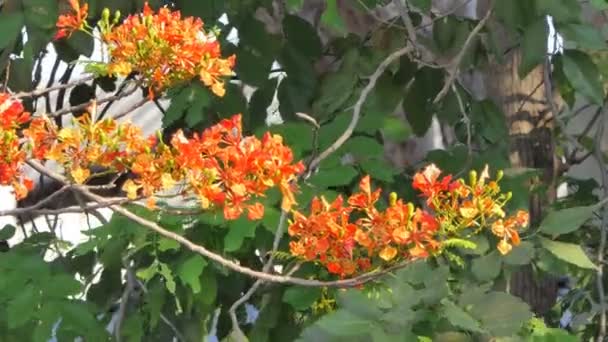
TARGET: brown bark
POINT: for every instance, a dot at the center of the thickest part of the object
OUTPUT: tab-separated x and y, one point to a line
529	119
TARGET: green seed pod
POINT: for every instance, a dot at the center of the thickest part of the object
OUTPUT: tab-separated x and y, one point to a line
499	175
116	17
392	199
473	177
410	209
105	14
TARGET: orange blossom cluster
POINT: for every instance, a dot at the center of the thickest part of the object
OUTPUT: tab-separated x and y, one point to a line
223	168
459	206
12	157
401	231
163	47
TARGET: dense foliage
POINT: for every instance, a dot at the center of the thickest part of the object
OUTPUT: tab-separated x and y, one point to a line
371	251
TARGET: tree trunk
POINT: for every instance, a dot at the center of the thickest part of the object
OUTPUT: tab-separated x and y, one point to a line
529	120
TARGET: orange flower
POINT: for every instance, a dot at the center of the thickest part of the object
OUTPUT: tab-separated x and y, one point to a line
68	23
166	49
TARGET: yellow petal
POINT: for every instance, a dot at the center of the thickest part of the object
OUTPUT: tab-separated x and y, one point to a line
468	212
388	253
504	247
131	189
80	175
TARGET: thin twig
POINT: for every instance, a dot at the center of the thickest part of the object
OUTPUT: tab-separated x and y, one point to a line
601	335
266	268
39	92
88	103
130	109
124	301
407	21
455	64
178	334
359	105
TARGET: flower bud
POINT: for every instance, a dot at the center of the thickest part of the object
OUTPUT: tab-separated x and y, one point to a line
116	17
105	14
392	199
509	195
410	210
473	177
499	175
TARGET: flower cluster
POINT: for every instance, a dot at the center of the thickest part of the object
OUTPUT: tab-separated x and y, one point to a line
12	157
459	206
223	168
70	22
347	236
164	48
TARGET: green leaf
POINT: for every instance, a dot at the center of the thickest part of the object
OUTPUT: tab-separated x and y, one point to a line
337	176
379	169
237	232
303	36
10	26
534	46
520	255
363	147
565	221
396	129
271	218
147	273
584	36
458	317
583	75
331	17
500	313
190	270
165	244
338	86
301	298
7	232
41	14
344	323
560	10
357	302
22	307
568	252
487	267
165	271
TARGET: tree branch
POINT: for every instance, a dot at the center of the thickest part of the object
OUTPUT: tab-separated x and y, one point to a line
350	282
359	105
454	66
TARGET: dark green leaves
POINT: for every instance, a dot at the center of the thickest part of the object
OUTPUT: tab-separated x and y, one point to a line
188	102
534	46
583	75
303	36
10	26
301	298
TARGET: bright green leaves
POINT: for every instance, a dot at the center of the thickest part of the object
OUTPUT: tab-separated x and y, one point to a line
568	252
190	271
583	75
331	17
